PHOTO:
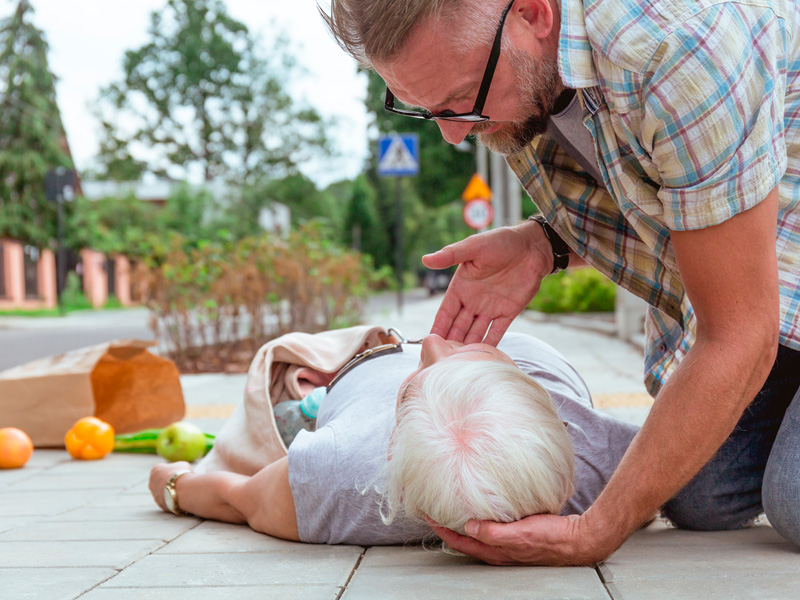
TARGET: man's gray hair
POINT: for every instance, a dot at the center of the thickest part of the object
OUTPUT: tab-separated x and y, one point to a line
378	30
477	440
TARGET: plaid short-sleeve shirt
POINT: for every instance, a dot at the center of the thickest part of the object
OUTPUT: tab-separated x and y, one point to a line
694	107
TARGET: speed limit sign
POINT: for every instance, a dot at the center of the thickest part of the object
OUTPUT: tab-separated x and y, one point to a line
478	214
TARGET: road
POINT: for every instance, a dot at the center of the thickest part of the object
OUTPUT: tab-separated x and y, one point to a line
25	339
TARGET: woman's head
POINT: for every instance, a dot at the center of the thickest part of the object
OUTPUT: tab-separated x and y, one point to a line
476	438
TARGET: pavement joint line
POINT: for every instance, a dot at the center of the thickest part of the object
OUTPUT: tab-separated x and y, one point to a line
596	567
99	583
352	574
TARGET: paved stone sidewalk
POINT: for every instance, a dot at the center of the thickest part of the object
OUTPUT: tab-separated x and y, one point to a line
89	530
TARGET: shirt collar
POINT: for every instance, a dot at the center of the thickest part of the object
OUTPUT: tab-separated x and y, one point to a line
575	62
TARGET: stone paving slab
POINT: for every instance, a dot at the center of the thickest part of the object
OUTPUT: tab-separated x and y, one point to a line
661	534
9	477
701	555
44	459
23	503
404	573
98	530
122	462
148	512
304	591
728	587
214	570
54	480
133	498
7	523
50	583
211	537
116	554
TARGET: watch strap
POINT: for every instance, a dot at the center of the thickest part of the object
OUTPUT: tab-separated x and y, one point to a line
170	489
560	249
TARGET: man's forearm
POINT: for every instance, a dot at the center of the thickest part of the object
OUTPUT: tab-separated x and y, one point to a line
691	418
208	495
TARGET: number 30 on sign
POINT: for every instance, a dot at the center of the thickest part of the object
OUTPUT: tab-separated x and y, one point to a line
478	214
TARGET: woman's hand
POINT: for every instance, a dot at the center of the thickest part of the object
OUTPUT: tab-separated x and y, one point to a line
160	475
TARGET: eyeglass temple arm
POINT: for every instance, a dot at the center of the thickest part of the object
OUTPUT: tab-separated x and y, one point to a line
491	64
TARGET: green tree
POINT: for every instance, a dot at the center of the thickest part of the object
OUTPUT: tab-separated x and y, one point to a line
203	95
304	199
32	139
115	161
187	213
430	200
444	171
112	224
362	230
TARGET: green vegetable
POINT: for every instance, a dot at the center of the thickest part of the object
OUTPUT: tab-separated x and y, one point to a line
144	442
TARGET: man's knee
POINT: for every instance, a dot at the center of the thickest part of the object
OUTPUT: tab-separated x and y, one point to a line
781	499
704	510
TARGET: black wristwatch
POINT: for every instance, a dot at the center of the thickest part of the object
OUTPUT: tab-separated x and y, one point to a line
560	249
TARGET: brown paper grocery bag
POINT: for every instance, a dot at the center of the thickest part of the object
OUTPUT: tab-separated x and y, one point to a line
119	382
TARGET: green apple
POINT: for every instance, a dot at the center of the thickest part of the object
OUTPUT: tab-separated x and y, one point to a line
181	441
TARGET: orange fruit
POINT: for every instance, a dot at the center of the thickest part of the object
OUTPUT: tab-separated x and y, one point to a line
89	439
15	448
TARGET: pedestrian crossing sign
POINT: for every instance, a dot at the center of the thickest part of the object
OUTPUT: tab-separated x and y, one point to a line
398	155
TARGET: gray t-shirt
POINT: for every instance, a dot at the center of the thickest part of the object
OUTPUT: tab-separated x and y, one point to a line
568	130
346	455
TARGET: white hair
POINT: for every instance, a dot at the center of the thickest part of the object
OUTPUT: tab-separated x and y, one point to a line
477	440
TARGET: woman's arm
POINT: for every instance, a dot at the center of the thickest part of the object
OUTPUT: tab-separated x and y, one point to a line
263	501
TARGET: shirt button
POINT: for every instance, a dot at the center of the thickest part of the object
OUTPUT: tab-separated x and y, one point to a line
662	348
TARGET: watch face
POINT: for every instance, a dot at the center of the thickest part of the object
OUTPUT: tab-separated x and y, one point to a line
168	499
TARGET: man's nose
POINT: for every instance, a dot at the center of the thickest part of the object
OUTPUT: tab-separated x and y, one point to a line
453	131
434	349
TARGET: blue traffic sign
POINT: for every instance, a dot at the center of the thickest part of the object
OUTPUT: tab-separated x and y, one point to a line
398	155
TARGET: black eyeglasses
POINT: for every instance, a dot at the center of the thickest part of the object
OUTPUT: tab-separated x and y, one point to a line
471	117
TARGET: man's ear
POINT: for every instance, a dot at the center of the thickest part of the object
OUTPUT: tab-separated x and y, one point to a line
537	16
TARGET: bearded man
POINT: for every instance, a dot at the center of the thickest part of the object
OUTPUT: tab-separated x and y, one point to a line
659	140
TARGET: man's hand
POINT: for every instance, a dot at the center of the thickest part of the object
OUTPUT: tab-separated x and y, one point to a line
498	275
159	476
536	540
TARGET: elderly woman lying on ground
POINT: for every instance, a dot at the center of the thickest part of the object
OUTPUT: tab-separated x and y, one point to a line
449	431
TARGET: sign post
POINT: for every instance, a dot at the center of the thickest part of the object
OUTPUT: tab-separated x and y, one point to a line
58	185
398	156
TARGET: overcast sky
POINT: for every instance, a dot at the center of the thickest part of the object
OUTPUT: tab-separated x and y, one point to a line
89	37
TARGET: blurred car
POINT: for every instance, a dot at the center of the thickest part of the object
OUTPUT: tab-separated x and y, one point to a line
437	280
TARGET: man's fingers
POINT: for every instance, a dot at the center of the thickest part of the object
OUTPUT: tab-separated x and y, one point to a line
451	255
461	326
444	258
471	547
448	311
478	330
492	533
499	327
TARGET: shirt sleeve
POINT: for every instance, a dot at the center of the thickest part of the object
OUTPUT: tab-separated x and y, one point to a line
712	114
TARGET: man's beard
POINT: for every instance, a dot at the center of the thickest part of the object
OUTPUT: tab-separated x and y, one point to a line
541	81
